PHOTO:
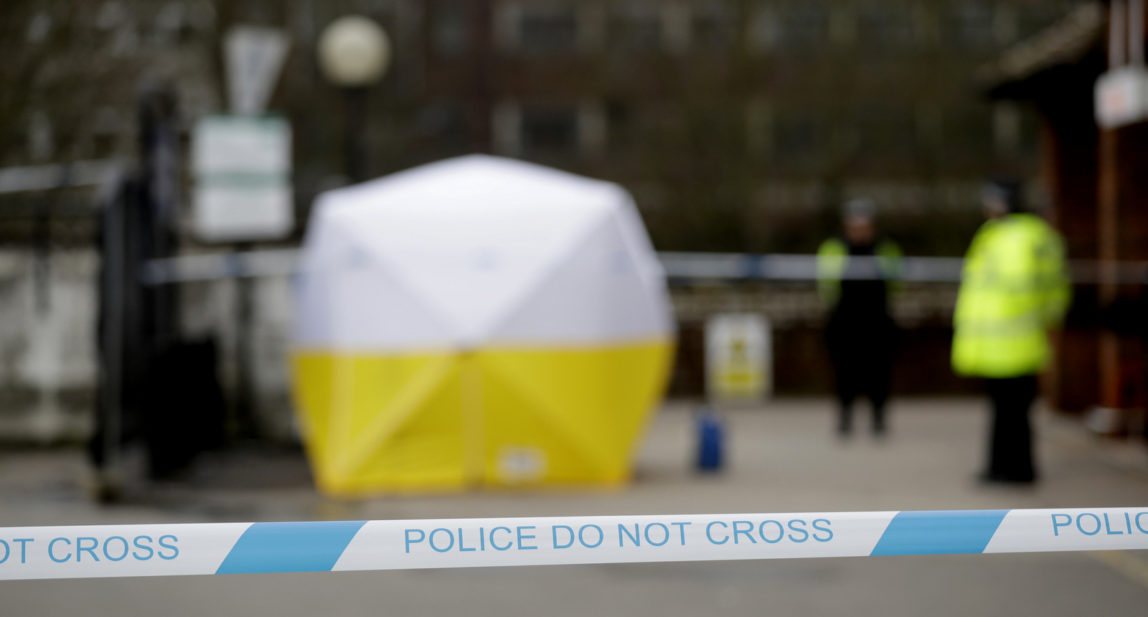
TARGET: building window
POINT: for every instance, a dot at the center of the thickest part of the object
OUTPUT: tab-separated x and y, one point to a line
635	27
884	26
449	33
799	135
442	126
620	120
548	29
800	25
886	131
928	125
642	127
713	26
548	130
715	130
760	30
759	127
968	131
972	25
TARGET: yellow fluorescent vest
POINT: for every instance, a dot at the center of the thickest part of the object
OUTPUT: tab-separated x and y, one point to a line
1013	289
833	260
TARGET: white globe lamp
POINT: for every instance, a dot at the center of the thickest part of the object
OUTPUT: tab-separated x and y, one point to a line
354	52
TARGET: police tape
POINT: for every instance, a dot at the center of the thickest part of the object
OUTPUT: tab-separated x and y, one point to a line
678	266
232	548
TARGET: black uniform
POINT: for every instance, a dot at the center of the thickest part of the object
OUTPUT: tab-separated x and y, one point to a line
861	337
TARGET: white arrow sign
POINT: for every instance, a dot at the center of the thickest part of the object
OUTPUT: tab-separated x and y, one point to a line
254	57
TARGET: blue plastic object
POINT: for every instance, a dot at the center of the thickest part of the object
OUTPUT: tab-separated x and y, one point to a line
711	440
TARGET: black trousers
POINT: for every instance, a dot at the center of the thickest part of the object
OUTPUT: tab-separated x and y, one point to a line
861	352
856	380
1010	437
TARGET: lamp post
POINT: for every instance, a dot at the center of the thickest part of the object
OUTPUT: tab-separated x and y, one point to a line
354	54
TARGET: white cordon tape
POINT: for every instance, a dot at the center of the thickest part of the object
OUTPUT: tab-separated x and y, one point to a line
230	548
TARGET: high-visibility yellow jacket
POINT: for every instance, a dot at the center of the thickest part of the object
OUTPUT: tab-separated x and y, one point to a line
1014	287
833	262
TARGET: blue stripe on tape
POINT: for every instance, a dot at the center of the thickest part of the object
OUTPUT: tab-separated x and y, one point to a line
939	532
289	547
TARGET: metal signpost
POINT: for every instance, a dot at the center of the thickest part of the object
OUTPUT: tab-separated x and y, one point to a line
241	165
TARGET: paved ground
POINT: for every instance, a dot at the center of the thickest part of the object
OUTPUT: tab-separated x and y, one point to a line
783	458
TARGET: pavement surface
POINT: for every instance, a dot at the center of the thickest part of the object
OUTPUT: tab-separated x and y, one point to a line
783	457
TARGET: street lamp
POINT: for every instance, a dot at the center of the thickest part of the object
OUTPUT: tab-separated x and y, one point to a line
354	53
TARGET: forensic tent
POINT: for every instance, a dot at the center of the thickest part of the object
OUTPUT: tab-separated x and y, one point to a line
477	322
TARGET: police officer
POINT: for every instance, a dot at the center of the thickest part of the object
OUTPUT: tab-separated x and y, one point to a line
1014	288
854	275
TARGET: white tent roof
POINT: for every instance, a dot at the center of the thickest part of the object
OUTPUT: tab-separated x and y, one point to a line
478	250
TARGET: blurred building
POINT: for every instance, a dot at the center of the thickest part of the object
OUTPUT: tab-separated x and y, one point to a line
736	122
739	125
